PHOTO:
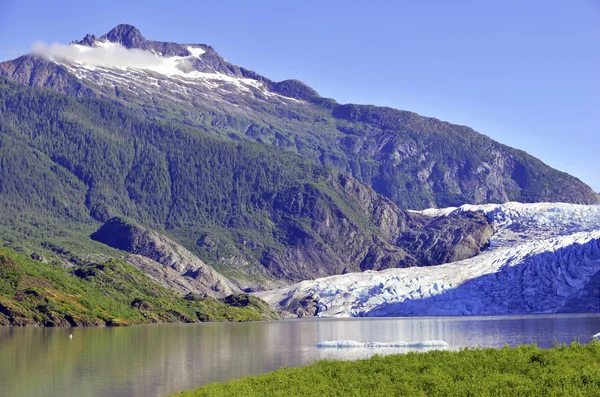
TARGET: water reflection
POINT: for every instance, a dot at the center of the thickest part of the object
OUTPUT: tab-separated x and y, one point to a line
162	359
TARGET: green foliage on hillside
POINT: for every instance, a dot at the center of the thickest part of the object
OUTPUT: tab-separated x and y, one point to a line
416	161
520	371
114	162
108	293
65	159
67	165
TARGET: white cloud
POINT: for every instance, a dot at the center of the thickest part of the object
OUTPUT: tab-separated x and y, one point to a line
114	55
108	54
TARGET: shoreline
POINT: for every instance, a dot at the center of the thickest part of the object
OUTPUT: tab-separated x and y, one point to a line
509	371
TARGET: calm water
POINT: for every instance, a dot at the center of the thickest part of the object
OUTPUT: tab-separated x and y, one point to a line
157	360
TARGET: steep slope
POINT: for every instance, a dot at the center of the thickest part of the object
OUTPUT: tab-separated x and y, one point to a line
544	258
258	215
107	293
417	162
191	273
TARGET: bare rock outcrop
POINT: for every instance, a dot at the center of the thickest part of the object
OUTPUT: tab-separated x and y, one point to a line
163	260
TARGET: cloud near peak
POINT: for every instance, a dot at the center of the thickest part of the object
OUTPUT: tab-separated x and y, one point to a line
107	54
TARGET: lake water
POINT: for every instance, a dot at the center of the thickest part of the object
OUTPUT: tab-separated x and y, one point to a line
156	360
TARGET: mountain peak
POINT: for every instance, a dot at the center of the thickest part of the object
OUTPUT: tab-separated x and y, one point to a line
127	35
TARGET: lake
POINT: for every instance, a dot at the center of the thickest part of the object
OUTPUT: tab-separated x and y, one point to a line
156	360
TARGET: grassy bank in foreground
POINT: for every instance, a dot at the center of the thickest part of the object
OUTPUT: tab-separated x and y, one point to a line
521	371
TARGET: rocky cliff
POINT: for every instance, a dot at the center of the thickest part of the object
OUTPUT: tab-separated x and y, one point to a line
163	260
354	229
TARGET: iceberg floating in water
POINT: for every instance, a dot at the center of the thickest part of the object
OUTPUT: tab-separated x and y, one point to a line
352	343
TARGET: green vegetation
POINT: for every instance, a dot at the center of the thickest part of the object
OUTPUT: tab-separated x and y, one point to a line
521	371
109	293
95	158
416	161
67	165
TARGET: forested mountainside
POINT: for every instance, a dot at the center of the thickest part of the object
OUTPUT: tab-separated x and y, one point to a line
417	162
254	213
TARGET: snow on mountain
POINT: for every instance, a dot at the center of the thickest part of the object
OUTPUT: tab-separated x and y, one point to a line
541	259
195	51
144	72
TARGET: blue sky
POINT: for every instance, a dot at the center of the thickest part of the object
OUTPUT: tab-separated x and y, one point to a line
526	73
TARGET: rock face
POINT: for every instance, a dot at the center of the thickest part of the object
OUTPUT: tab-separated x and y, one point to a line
415	161
36	71
448	239
130	37
164	261
374	235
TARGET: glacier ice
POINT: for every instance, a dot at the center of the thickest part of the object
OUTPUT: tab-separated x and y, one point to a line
541	259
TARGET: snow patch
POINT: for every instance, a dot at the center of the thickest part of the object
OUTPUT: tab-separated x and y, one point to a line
111	64
196	51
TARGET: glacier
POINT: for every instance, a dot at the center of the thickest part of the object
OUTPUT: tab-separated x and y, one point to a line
542	258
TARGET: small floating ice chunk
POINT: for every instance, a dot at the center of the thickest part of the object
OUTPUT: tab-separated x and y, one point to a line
352	343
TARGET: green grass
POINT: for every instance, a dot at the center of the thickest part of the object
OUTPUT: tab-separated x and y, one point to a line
108	293
525	370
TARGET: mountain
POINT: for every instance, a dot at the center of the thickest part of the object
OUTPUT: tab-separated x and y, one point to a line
415	161
261	217
543	258
129	163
